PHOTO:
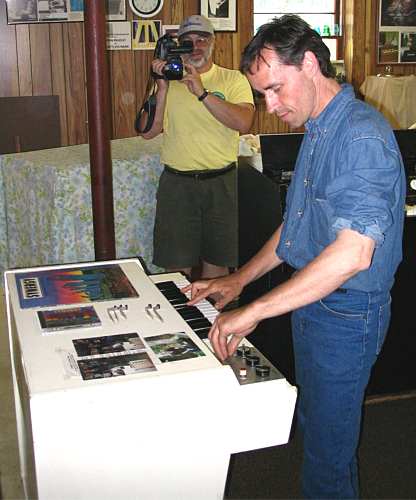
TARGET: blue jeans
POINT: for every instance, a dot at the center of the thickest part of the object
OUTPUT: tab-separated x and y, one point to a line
336	342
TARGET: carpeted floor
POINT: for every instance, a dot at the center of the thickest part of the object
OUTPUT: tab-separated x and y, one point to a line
387	458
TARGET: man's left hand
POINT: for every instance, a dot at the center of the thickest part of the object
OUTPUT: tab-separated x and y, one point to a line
192	80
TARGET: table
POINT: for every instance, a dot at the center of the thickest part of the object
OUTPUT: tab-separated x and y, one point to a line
45	203
394	96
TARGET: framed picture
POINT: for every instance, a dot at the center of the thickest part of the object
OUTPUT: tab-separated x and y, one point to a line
116	10
22	11
408	47
398	14
388	47
76	8
222	13
397	32
145	34
171	29
46	11
55	10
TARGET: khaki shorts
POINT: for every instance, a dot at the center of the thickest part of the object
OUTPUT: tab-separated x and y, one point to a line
196	219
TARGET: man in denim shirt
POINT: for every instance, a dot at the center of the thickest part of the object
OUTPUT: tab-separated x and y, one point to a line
342	231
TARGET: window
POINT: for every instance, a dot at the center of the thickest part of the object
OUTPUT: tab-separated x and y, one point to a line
322	15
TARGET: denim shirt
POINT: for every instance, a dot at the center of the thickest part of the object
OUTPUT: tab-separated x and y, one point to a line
348	175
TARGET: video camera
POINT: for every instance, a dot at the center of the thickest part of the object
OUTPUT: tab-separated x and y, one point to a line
168	50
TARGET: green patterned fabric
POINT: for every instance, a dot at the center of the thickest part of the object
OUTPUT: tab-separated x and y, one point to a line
45	204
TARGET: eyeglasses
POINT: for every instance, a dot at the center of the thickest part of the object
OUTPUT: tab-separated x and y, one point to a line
199	40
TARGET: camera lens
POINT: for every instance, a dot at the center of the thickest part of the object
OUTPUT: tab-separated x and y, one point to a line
173	69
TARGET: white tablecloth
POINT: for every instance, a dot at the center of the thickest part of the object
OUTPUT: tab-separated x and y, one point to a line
394	96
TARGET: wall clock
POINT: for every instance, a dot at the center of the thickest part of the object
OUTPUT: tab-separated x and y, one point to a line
146	8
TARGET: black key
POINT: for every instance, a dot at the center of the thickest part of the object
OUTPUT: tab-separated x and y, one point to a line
202	333
179	302
199	323
167	285
190	312
173	294
169	289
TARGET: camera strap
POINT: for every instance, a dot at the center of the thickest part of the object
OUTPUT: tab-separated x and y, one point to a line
148	107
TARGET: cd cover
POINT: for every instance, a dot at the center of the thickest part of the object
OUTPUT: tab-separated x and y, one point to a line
62	319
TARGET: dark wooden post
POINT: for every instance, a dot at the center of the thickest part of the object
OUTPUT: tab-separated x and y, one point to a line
99	126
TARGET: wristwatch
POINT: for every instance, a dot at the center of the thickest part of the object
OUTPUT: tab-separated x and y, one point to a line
204	94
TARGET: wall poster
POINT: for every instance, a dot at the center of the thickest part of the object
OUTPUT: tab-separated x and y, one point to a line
397	32
38	11
221	13
145	34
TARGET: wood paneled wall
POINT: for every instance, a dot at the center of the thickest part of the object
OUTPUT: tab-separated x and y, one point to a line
48	59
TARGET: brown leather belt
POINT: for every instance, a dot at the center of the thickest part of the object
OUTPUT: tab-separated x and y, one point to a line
201	174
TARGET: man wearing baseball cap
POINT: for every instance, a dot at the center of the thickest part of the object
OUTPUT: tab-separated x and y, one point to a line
196	24
201	117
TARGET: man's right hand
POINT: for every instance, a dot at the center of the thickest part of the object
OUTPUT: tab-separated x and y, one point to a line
157	67
222	290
